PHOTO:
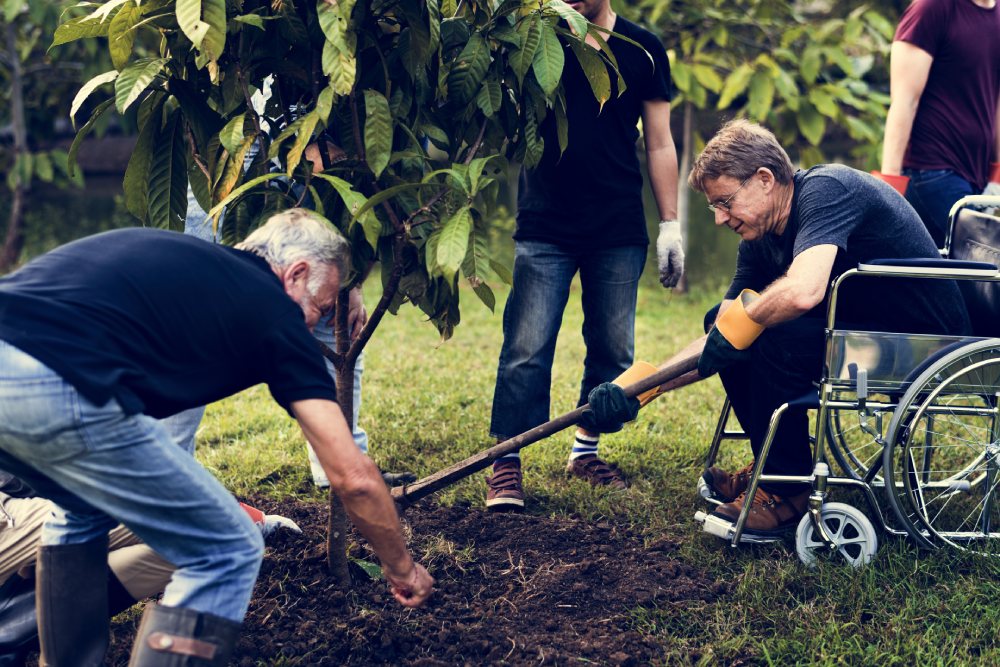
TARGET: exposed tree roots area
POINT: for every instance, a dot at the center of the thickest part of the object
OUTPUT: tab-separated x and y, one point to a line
510	589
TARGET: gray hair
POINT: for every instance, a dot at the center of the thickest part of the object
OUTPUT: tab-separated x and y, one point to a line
738	150
299	234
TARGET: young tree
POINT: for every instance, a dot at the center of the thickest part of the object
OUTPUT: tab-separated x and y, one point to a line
414	106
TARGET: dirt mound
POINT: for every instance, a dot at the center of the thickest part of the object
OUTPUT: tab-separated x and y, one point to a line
510	589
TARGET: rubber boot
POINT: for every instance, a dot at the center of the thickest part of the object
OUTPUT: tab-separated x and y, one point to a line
178	637
18	623
72	589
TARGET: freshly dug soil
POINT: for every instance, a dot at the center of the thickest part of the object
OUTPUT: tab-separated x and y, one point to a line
511	589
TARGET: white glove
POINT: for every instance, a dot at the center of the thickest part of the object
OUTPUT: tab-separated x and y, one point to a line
670	253
273	522
992	189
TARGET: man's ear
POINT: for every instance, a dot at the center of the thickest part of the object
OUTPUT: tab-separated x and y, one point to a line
766	178
295	272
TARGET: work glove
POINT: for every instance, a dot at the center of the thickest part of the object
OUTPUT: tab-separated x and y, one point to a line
730	339
268	523
993	187
670	253
897	181
609	409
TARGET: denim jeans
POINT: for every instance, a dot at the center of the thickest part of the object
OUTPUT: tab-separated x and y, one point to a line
785	363
102	467
609	279
932	192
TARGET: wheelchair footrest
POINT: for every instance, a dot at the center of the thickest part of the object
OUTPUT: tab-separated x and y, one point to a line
716	525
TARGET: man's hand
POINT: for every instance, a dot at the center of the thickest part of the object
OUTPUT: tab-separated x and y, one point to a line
273	522
609	409
993	187
670	253
412	589
718	354
357	316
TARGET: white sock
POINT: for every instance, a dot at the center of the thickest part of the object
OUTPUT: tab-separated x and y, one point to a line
584	445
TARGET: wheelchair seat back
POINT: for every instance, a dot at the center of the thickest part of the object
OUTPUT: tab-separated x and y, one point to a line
976	237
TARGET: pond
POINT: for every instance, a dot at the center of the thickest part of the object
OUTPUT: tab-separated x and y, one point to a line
54	217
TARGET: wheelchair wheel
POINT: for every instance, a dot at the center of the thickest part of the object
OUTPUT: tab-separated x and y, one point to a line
943	452
854	534
855	451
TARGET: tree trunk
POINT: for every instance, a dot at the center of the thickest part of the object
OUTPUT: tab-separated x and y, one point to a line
14	241
336	545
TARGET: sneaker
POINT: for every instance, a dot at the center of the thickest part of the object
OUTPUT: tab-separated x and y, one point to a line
770	514
504	492
596	471
727	486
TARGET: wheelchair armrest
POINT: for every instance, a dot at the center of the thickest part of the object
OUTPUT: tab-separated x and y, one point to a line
941	267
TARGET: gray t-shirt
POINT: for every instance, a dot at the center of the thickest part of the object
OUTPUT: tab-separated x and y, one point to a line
866	219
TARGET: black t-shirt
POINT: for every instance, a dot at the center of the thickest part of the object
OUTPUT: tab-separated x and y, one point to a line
866	219
162	322
591	196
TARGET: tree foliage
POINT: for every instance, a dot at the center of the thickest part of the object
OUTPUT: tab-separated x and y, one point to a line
813	76
420	106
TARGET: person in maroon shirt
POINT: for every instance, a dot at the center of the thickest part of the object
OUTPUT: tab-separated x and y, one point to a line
942	134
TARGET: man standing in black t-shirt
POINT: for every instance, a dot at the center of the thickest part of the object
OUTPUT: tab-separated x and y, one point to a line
799	230
100	338
581	211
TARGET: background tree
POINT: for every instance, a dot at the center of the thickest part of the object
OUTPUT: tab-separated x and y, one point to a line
35	86
416	108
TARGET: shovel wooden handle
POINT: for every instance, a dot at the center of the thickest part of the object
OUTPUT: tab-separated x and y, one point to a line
410	493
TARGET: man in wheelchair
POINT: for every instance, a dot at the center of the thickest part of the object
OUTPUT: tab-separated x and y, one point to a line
799	230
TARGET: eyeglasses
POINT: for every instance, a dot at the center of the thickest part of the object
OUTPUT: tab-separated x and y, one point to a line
725	204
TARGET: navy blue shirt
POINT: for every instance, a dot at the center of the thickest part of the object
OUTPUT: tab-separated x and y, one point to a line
591	196
866	219
161	322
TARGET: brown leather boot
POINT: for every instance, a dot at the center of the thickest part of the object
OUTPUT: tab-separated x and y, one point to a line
727	486
770	513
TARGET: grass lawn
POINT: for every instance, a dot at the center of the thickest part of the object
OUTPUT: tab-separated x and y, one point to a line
427	405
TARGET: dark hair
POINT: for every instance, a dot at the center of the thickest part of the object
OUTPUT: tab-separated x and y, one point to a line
738	150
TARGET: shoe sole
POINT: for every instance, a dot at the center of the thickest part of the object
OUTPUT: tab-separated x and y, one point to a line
505	504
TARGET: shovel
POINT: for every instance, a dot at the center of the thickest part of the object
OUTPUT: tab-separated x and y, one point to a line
670	377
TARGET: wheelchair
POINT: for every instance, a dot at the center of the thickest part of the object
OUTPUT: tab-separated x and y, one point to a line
912	421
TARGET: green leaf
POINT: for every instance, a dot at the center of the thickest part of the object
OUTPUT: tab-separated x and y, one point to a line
240	191
43	167
594	69
534	145
577	23
883	26
338	59
549	60
378	132
824	102
681	75
88	88
707	76
121	34
761	95
811	123
810	63
354	202
562	124
302	129
11	8
521	59
373	570
136	183
385	195
476	265
168	177
736	84
81	134
453	242
787	88
490	97
229	171
204	23
251	19
134	79
503	271
475	172
466	76
80	28
231	135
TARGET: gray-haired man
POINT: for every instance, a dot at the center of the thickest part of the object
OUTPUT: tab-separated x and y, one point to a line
101	336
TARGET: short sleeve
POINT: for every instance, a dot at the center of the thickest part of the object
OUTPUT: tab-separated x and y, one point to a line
294	368
827	214
659	86
923	24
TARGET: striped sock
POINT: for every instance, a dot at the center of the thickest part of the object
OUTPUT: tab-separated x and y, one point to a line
584	445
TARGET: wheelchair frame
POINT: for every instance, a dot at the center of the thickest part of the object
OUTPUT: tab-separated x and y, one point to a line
829	400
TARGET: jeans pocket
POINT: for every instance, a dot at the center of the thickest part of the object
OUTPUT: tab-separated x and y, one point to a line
920	178
39	419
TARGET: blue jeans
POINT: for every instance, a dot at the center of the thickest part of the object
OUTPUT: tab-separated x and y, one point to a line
932	192
543	272
102	467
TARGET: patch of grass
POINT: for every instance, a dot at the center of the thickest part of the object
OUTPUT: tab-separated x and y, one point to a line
427	405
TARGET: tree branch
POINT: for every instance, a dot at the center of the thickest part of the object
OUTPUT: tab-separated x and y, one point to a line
202	167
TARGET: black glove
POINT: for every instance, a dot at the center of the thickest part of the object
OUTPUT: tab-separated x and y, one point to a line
718	354
609	409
